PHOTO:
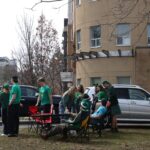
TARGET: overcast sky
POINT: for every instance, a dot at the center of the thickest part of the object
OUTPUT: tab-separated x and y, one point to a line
11	10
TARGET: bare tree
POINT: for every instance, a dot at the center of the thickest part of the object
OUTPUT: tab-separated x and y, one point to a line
24	53
47	56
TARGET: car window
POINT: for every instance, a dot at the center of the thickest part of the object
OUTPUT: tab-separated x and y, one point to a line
137	94
23	91
31	92
27	91
122	93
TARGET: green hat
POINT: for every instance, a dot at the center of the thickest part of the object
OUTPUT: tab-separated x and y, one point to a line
106	82
6	86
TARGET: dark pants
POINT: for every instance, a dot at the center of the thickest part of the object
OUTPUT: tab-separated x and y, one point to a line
5	120
46	108
13	119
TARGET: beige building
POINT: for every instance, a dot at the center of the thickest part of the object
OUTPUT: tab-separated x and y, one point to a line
111	41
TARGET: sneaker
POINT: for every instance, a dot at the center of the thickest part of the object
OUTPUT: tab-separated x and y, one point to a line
3	134
12	135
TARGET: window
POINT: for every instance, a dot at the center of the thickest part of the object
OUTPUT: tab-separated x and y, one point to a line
95	35
78	82
123	80
78	39
29	92
78	2
122	93
148	34
136	94
95	80
123	35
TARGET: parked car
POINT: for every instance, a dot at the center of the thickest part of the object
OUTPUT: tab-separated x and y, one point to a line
29	98
134	102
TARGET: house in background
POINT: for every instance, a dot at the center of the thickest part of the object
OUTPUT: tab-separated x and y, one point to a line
7	69
109	40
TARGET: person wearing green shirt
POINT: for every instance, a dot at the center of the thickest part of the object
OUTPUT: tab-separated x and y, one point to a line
4	100
113	105
101	95
78	96
13	108
45	96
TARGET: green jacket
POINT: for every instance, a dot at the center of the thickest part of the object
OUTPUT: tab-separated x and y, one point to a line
112	96
4	100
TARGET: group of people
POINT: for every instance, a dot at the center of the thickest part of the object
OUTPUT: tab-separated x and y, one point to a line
105	99
10	103
74	100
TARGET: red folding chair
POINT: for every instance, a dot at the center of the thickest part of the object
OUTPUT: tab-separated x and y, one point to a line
33	121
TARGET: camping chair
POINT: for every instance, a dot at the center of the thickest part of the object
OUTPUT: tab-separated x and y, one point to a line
83	130
45	125
102	123
33	121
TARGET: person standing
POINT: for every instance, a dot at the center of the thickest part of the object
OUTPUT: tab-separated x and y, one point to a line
13	108
45	96
67	101
112	104
4	100
78	97
101	95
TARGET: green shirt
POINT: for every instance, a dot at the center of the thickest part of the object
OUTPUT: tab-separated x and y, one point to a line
112	96
102	95
4	99
88	102
45	91
17	91
77	95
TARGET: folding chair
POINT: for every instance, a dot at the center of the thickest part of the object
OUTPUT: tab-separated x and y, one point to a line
83	130
45	125
33	121
102	123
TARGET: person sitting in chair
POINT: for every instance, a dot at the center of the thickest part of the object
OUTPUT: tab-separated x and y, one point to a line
100	112
69	124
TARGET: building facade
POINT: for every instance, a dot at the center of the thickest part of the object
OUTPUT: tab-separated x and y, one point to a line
8	68
111	41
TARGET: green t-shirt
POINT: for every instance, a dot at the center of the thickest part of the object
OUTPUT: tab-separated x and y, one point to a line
77	95
4	99
88	102
112	96
45	91
15	90
102	95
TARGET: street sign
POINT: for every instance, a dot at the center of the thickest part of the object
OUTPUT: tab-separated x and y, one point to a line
66	76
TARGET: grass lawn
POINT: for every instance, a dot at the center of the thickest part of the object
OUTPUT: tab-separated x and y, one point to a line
126	139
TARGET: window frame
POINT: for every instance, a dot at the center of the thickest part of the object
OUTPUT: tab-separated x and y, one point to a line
124	77
148	36
78	43
78	2
92	78
95	39
123	36
147	96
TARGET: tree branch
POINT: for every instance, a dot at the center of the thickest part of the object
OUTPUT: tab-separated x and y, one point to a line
43	1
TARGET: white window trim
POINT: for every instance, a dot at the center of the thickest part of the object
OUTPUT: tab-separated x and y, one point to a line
123	37
78	45
78	42
147	34
91	39
96	39
79	3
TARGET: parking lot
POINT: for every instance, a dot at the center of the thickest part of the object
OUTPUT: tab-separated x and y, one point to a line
126	139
